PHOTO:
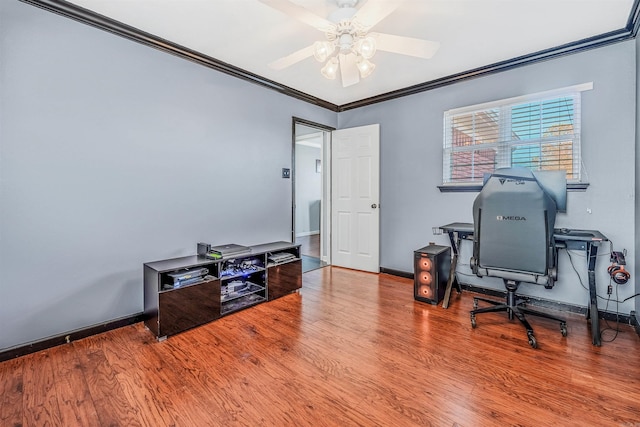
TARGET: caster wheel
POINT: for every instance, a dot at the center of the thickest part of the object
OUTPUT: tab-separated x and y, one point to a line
532	341
475	304
563	329
473	321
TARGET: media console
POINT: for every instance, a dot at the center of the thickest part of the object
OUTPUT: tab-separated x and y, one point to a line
182	293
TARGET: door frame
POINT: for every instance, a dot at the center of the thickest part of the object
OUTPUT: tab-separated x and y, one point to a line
325	234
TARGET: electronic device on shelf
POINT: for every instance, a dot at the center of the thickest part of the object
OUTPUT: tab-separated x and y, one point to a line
203	248
186	277
229	250
238	288
235	285
242	266
233	288
281	257
221	251
187	274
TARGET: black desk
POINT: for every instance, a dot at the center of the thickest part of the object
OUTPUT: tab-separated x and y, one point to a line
586	240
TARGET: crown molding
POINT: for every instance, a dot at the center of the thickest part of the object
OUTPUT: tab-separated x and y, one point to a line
102	22
543	55
633	23
88	17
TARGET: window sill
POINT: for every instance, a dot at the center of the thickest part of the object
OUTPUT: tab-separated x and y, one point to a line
474	188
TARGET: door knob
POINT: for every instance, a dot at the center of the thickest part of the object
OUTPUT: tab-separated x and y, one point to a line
373	206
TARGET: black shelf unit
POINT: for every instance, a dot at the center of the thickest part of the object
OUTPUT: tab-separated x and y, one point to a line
243	282
182	293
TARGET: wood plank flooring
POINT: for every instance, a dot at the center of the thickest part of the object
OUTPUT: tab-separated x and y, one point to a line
351	349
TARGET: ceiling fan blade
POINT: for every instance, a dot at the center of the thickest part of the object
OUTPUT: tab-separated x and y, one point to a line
374	11
348	69
405	45
299	13
289	60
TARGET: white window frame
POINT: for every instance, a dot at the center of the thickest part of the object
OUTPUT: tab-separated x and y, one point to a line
503	146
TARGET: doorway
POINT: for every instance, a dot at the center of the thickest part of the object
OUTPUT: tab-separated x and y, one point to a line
311	193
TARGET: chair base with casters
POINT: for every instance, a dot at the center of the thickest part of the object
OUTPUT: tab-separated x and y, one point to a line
514	307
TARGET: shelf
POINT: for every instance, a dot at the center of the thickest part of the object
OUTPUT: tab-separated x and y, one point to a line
226	275
275	264
241	302
168	288
249	288
200	295
281	257
183	277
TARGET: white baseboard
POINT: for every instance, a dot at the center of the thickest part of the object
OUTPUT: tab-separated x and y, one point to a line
307	233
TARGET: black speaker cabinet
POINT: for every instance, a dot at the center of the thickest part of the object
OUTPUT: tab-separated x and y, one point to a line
431	273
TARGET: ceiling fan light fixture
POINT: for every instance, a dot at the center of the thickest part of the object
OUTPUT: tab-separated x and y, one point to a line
330	69
345	41
322	50
365	67
366	47
348	46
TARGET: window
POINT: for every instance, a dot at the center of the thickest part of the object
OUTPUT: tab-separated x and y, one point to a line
539	132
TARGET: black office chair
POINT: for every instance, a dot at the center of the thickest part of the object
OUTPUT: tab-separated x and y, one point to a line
514	218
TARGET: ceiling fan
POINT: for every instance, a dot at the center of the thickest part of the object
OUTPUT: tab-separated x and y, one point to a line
348	44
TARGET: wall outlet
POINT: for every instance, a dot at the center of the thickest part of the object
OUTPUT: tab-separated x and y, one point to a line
286	173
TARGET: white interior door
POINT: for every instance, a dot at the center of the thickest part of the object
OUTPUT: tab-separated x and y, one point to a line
355	194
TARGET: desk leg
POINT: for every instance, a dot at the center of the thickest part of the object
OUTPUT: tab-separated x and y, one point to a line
455	242
452	278
592	310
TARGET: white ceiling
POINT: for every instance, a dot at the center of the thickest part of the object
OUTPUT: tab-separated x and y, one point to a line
472	33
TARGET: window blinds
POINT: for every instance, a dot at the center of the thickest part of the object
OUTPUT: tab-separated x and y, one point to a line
537	132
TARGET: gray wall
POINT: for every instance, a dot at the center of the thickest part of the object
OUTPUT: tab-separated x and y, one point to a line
411	164
308	188
113	154
637	177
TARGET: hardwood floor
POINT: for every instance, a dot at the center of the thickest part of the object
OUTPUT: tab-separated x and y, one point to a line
351	349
